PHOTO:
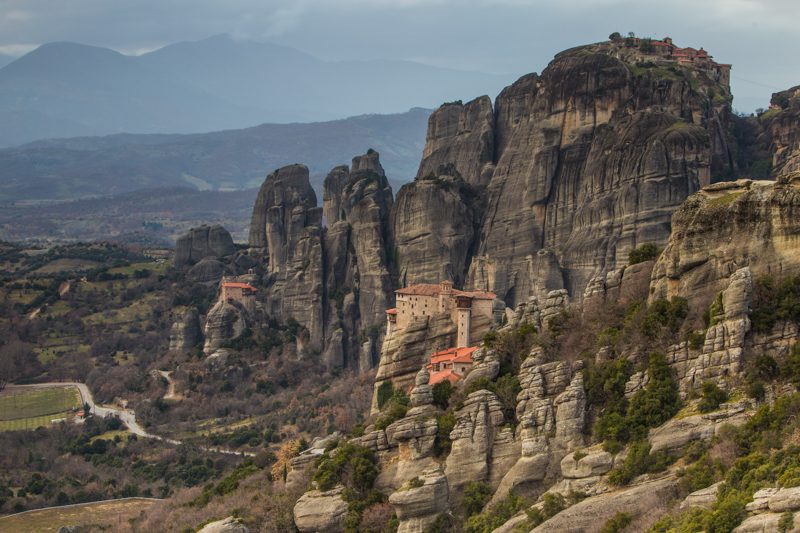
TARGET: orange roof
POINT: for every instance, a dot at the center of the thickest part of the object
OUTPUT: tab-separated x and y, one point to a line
459	355
238	285
448	375
434	289
392	311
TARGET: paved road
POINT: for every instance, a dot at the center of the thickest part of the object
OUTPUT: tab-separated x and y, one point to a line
128	416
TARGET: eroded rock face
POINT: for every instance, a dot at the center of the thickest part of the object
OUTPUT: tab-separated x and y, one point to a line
477	425
677	433
286	227
435	223
357	203
766	523
185	333
724	228
646	502
207	270
460	141
417	505
784	131
321	512
226	321
201	242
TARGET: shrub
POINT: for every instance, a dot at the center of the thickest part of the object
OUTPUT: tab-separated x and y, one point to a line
442	444
657	402
385	391
713	396
773	301
786	523
352	465
441	393
396	409
643	253
495	516
791	367
696	339
639	461
617	523
476	494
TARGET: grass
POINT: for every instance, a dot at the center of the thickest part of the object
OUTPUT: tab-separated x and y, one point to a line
152	266
110	435
66	265
112	516
726	200
30	409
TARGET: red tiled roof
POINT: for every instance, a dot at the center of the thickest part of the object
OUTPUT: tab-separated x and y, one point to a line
438	377
434	289
392	311
238	285
460	355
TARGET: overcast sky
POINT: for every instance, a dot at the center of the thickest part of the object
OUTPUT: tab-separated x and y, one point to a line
501	36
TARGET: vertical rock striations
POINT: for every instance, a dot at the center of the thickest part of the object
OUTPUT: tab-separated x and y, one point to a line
286	227
356	206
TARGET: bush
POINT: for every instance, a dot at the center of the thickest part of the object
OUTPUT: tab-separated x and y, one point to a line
773	301
643	253
396	409
442	444
352	465
656	403
385	391
617	523
476	494
791	367
441	393
495	516
639	461
713	396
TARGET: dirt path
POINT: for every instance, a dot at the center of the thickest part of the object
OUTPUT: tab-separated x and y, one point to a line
171	394
128	416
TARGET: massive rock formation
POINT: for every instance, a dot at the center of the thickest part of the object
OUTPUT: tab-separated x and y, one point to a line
356	206
204	241
725	227
336	283
286	227
435	223
460	141
587	161
226	321
784	131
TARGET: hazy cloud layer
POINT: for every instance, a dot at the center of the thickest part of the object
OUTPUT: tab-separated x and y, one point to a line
501	36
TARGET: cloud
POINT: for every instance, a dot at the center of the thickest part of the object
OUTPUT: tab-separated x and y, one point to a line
17	49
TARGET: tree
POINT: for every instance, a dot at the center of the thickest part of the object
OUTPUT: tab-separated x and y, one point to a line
616	36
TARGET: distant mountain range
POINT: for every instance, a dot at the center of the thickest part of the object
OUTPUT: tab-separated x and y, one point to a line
68	89
81	167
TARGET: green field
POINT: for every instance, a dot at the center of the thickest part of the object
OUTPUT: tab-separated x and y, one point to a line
112	516
29	409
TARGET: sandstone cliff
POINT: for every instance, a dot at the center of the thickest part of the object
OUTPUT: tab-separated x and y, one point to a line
589	160
286	228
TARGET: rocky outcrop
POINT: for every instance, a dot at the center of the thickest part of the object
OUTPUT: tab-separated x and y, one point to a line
477	425
226	525
226	321
460	142
767	523
207	270
185	333
356	205
703	498
551	409
677	433
645	502
724	228
435	223
321	512
205	241
286	228
420	501
784	131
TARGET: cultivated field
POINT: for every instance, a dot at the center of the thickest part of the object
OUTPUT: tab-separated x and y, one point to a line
111	515
29	409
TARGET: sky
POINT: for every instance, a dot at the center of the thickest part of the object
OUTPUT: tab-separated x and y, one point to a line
510	37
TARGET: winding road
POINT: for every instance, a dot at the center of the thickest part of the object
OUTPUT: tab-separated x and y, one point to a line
127	416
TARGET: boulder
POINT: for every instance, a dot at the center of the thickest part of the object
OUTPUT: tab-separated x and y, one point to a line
703	498
321	512
420	501
589	462
226	525
787	499
226	321
646	502
185	332
761	499
204	241
766	523
207	270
